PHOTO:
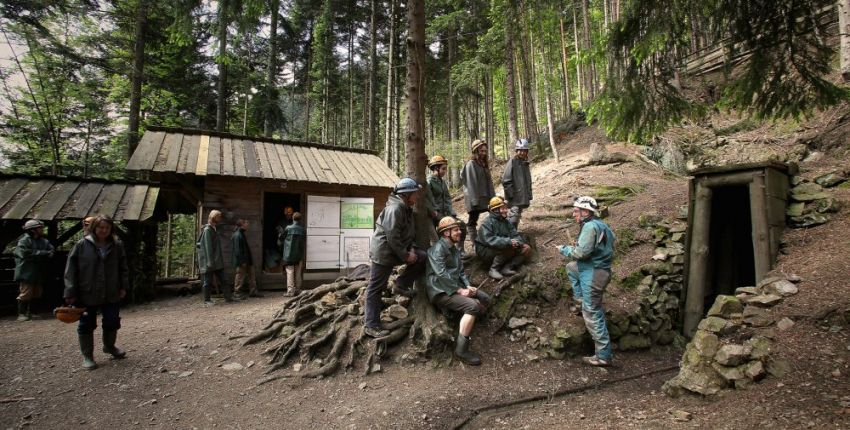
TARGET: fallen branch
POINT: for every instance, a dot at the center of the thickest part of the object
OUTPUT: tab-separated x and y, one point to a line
16	399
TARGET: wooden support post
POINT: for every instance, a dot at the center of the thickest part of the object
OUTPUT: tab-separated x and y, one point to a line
168	246
760	226
698	263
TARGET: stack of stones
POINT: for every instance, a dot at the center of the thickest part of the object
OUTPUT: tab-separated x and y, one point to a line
810	203
659	293
724	353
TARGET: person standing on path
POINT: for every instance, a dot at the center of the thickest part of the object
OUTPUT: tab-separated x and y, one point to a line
517	182
477	186
448	286
210	260
97	278
243	261
32	259
392	244
438	200
294	247
589	271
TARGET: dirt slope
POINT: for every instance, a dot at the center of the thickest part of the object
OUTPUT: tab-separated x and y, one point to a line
176	373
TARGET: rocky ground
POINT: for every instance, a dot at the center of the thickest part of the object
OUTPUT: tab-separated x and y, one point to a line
186	369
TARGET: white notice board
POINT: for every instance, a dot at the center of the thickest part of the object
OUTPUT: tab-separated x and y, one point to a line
329	244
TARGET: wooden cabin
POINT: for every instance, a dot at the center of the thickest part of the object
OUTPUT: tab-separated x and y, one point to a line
339	192
736	216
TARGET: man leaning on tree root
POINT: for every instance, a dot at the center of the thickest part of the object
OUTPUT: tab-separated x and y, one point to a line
449	288
392	244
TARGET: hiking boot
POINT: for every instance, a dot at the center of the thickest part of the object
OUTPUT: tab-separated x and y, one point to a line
291	292
493	273
239	296
87	349
24	310
109	347
507	271
406	292
463	353
208	303
596	361
375	331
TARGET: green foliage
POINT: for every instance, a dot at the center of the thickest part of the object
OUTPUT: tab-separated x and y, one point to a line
782	76
632	280
183	237
625	241
612	194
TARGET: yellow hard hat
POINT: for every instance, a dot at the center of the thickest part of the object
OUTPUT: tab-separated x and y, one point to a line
446	223
477	143
437	160
496	203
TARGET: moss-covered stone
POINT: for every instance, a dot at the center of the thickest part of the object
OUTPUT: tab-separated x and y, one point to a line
724	306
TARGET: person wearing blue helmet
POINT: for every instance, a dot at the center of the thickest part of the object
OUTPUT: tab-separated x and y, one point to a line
392	244
516	181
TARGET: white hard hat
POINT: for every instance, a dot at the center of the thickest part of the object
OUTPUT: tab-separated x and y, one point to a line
586	202
522	144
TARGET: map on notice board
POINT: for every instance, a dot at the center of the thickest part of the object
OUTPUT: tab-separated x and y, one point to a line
357	215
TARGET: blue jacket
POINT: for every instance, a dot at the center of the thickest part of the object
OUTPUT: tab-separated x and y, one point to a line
595	248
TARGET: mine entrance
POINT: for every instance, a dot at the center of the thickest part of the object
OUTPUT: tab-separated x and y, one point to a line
731	261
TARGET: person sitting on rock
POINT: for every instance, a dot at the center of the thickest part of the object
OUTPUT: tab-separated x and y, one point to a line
449	288
590	271
392	244
498	243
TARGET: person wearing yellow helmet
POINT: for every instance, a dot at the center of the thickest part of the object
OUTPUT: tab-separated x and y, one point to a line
438	200
448	286
589	271
498	243
516	181
477	185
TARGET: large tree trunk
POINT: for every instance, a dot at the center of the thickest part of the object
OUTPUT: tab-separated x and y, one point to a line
844	37
307	83
565	76
510	84
221	97
388	134
271	81
591	69
550	121
579	74
372	127
136	79
452	114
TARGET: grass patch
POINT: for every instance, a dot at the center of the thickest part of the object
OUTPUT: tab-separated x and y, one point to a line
625	241
745	124
611	194
632	280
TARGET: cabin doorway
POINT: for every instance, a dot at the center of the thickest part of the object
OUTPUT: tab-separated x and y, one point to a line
274	219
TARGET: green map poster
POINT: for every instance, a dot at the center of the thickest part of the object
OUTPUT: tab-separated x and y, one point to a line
357	215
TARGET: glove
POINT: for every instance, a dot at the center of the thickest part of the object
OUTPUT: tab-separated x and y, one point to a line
565	250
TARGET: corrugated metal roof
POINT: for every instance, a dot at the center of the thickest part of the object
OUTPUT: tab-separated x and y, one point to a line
204	153
58	198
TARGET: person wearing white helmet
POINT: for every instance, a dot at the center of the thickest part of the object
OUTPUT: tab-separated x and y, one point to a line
392	244
477	186
516	181
589	271
32	257
448	287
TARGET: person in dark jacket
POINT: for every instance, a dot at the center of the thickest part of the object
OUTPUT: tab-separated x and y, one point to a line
392	244
32	257
498	243
294	250
477	186
438	200
243	261
517	182
448	286
210	260
97	278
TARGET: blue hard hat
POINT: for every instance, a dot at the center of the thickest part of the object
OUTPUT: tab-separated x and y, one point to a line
407	185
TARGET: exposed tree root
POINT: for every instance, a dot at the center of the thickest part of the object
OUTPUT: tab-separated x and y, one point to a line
322	330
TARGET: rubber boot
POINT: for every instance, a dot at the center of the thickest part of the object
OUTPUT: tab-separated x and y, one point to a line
463	353
495	267
87	348
24	310
228	293
109	347
510	268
